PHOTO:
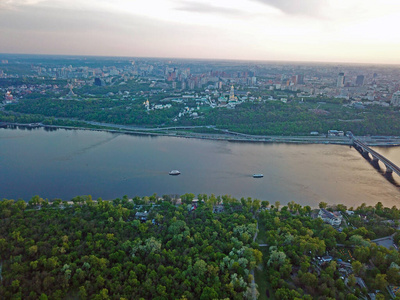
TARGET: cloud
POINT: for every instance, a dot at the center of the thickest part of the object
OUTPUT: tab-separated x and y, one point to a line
199	7
12	4
6	4
45	30
297	7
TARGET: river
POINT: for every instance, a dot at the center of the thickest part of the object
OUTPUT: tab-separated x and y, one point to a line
65	163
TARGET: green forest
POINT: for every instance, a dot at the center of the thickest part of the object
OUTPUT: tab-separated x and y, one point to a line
118	112
187	247
260	118
98	250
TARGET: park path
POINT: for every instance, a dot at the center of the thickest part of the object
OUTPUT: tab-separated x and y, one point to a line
253	282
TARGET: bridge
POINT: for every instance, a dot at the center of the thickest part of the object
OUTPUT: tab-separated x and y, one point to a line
366	151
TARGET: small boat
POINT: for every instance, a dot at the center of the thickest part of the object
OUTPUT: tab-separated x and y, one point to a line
258	175
174	172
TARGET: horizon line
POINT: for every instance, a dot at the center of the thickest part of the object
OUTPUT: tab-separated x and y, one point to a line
209	59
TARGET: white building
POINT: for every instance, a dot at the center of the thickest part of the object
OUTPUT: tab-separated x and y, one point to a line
395	99
340	80
333	218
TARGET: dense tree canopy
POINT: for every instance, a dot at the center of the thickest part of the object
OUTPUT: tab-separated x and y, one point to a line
97	249
262	118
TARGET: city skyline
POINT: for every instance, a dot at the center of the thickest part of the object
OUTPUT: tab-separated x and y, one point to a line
315	31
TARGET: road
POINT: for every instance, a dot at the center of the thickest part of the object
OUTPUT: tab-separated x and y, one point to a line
224	134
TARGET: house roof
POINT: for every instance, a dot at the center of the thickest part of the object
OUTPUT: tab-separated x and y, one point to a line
327	214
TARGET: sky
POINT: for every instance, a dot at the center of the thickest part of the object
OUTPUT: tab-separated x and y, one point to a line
354	31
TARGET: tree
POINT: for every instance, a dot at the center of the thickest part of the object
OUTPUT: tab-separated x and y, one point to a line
15	284
362	254
380	281
341	237
277	258
307	209
357	240
33	250
340	284
20	205
264	204
161	290
256	205
341	207
208	294
36	200
257	255
357	267
393	274
304	266
285	270
351	297
351	280
309	280
3	247
277	205
82	293
56	203
330	270
102	295
323	204
283	294
187	198
291	205
200	267
380	296
379	206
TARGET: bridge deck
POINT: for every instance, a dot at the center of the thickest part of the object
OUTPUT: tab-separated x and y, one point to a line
390	165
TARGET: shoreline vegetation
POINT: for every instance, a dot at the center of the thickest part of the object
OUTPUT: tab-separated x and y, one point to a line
220	135
204	247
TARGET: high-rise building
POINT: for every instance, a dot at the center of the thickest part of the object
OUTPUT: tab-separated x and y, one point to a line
232	94
99	82
360	80
300	79
395	99
340	80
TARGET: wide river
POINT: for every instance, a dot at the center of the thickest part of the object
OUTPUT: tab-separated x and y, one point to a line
66	163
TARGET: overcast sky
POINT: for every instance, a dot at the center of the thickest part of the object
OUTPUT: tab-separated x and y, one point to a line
366	31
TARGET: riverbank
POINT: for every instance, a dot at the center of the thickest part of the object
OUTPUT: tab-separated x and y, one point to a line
223	135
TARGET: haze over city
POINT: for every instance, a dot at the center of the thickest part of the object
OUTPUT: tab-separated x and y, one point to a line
199	149
315	30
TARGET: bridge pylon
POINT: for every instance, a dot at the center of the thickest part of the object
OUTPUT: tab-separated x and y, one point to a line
389	170
375	163
365	154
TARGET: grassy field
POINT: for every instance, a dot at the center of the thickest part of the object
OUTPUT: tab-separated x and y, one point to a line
261	236
261	283
259	272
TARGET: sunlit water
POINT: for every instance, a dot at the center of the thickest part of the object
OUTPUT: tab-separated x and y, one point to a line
66	163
